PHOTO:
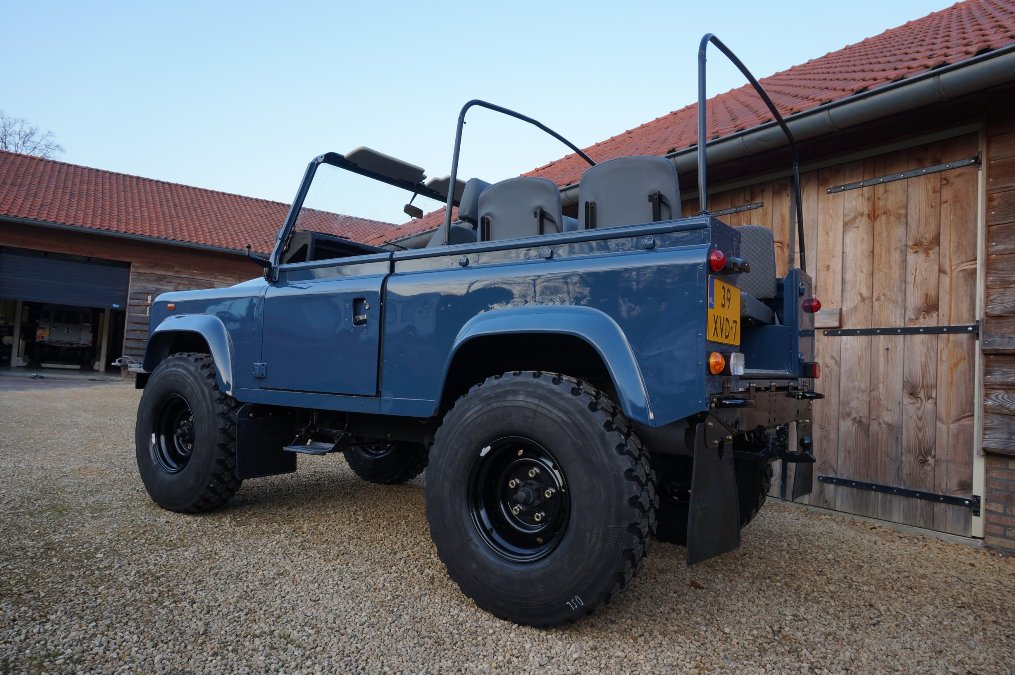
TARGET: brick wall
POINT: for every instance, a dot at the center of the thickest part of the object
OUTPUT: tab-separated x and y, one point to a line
999	500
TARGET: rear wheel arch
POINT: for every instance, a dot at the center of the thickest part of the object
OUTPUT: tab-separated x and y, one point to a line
484	356
566	342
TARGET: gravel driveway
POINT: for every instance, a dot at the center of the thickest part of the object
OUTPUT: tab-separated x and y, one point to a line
320	571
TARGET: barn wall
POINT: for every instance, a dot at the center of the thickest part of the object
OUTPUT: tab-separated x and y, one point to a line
154	268
999	330
898	410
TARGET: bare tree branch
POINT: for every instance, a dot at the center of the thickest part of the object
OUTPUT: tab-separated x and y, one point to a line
19	135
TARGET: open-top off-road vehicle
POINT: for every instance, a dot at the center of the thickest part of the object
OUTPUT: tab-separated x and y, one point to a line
570	384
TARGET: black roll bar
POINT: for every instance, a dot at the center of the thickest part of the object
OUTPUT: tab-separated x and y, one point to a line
796	215
458	147
339	161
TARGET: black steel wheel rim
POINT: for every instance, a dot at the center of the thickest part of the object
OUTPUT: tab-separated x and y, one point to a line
172	438
376	449
519	499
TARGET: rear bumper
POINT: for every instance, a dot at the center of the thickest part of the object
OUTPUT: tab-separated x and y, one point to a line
763	407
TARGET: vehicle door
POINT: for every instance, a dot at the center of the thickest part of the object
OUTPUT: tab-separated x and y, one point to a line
322	326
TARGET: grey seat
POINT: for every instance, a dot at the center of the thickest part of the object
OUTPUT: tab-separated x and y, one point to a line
463	230
519	207
757	247
628	191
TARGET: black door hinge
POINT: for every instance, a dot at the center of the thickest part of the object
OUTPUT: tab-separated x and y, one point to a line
260	370
971	502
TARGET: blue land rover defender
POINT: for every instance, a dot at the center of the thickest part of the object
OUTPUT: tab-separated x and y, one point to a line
575	377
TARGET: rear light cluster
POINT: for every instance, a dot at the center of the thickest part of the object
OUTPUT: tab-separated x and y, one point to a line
717	260
726	364
812	305
812	370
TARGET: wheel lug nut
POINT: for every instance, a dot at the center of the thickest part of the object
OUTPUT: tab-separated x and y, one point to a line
549	492
538	516
516	509
533	473
513	483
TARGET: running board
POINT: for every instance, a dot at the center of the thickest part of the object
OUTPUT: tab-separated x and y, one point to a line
311	448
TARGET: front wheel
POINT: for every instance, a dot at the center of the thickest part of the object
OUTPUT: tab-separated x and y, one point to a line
185	437
540	500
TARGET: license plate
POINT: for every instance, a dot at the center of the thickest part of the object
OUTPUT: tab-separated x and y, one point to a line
723	312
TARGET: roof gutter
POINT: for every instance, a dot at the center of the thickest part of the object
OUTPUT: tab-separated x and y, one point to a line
121	235
934	86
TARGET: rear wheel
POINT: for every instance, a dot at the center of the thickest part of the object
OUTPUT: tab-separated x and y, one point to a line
540	500
387	462
185	437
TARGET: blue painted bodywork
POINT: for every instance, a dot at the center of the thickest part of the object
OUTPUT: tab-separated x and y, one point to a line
379	333
227	319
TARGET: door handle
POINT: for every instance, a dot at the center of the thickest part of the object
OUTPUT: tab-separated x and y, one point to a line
359	311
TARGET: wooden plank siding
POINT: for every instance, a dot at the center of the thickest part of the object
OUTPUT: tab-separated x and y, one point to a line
898	410
999	291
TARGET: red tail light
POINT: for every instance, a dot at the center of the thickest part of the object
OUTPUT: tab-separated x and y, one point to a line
812	305
717	260
812	370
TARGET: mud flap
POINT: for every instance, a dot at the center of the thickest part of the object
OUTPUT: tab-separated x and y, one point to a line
803	468
713	517
803	480
260	435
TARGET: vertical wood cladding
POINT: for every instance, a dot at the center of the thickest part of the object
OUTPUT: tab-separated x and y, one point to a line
898	410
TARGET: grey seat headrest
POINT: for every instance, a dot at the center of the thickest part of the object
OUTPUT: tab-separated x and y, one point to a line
468	207
628	191
519	207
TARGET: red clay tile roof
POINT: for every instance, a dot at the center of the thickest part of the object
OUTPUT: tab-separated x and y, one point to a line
942	38
946	37
67	194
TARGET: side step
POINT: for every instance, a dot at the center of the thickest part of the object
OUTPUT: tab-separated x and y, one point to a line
311	448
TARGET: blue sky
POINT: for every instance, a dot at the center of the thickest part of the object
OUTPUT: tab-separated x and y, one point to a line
239	96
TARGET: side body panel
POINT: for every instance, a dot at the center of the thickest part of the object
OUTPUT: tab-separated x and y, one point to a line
228	319
322	326
632	291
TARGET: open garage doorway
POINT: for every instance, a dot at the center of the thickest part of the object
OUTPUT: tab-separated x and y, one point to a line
59	311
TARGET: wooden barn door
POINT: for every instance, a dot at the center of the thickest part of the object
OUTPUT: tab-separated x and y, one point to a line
899	409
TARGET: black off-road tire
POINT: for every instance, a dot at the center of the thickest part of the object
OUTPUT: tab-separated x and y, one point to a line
185	438
387	463
673	476
754	479
557	447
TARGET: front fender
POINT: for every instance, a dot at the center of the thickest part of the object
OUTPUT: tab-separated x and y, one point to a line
208	327
591	325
